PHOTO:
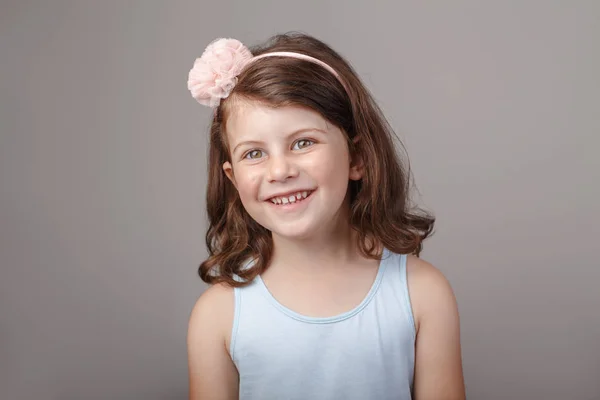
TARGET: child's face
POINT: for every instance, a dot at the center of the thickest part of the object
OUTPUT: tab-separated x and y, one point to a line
279	156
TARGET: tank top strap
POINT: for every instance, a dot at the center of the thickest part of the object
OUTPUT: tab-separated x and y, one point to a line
394	286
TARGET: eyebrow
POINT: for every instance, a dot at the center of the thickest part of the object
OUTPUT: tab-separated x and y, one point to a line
296	132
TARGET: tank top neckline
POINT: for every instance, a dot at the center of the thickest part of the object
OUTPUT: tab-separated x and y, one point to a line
335	318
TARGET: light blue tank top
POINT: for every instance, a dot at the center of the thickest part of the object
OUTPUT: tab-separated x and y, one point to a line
364	354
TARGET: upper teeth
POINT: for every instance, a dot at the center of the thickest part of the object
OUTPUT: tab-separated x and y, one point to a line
289	199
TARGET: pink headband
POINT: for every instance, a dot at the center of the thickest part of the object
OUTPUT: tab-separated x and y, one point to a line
215	73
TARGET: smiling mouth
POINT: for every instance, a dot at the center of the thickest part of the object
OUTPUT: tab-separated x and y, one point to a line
291	199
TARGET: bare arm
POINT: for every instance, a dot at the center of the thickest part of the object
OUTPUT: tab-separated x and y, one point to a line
212	374
438	362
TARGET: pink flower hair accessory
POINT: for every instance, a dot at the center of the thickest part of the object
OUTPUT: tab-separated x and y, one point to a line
214	74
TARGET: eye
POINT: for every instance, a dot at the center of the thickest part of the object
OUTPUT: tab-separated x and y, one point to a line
302	143
253	154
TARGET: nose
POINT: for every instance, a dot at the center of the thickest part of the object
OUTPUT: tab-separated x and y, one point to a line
281	168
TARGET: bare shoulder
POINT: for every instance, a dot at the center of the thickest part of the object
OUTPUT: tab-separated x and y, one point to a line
212	373
216	296
438	360
430	290
213	310
424	275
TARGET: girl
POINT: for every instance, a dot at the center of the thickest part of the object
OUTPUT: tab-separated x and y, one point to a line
317	291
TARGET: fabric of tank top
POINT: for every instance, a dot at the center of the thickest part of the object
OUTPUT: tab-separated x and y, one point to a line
366	353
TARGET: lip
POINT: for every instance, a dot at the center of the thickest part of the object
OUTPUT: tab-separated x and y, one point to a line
288	194
292	206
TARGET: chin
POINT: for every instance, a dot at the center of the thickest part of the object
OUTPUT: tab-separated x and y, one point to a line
293	231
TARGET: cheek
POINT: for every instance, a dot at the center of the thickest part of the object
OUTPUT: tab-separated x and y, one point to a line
248	182
333	167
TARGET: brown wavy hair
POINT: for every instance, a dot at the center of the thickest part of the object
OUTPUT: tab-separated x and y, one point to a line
380	207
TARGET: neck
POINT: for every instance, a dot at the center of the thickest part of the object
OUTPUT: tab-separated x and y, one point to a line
333	246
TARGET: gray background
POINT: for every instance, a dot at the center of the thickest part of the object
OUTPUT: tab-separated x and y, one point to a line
102	179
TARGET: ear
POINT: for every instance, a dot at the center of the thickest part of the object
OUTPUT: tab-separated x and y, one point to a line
229	172
356	163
